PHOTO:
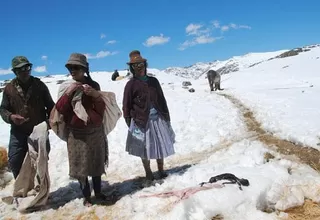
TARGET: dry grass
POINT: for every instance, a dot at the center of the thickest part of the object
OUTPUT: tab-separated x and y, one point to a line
308	211
87	216
268	156
217	217
3	158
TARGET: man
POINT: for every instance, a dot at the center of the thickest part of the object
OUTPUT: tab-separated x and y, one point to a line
214	78
26	102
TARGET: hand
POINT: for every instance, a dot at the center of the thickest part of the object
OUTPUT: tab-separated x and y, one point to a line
88	90
18	119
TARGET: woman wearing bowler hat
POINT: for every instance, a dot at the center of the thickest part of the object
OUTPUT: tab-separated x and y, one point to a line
146	113
86	142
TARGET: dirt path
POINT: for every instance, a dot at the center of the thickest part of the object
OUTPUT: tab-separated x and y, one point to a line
305	154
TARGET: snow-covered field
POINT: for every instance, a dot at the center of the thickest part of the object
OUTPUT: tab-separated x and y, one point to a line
212	139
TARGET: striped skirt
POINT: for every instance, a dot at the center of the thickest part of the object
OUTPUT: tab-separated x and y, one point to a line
154	142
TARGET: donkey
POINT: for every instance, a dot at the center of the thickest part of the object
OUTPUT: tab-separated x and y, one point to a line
214	78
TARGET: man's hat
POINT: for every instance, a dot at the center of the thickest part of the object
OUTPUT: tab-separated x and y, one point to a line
19	61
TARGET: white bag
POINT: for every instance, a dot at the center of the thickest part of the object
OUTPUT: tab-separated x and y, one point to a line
112	112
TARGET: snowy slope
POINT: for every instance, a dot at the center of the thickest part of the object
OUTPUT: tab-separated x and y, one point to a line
284	93
233	64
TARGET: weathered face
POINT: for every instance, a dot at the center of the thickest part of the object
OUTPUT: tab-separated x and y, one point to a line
23	73
77	72
139	68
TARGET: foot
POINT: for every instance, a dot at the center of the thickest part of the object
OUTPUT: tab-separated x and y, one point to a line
149	176
87	202
163	174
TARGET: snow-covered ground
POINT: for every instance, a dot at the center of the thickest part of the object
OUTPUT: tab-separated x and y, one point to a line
284	95
212	139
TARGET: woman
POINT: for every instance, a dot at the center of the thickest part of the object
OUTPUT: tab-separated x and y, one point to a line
146	113
86	142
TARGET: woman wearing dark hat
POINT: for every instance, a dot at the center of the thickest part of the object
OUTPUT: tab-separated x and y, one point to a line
86	142
146	113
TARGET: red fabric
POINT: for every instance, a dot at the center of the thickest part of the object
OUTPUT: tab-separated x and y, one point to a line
94	107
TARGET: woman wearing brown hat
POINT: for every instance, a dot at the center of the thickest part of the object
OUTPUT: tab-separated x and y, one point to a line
86	141
146	113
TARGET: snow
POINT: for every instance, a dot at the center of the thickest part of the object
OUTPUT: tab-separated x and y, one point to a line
212	138
283	93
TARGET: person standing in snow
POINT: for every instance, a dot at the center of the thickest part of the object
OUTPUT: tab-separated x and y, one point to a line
26	102
150	135
115	75
86	142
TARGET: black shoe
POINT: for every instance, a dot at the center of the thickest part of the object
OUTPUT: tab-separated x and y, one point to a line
162	174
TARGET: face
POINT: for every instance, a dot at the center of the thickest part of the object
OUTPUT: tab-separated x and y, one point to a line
23	73
139	68
77	72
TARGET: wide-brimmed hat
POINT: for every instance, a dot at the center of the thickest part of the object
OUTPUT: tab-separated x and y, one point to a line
135	57
78	59
19	61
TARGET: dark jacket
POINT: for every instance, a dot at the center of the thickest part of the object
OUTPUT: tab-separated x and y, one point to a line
94	107
115	75
139	96
31	101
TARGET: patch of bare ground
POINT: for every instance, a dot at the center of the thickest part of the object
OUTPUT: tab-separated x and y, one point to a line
217	217
308	211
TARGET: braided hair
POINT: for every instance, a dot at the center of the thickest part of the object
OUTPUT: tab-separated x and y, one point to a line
88	73
93	83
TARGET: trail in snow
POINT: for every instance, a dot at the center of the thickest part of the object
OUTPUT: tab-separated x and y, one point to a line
305	154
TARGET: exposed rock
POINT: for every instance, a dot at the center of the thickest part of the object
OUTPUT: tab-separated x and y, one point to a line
60	81
228	68
191	90
293	52
150	74
186	83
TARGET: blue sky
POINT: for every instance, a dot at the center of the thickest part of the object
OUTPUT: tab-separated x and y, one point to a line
167	32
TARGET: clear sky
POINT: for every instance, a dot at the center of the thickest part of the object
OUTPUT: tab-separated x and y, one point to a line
167	32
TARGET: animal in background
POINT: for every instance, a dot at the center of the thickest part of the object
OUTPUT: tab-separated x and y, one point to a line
214	79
